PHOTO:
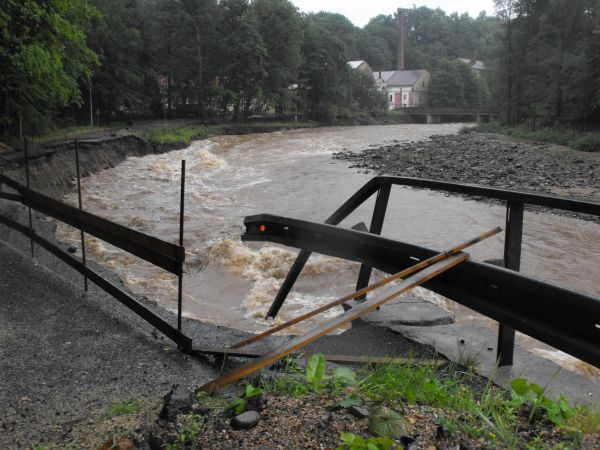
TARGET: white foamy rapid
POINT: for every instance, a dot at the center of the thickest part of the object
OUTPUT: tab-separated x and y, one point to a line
291	174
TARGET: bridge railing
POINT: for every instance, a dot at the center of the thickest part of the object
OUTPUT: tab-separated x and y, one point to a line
515	202
157	252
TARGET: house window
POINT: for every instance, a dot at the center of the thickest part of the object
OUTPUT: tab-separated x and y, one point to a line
423	83
391	98
404	97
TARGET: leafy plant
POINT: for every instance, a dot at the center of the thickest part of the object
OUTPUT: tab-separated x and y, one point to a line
191	424
352	441
350	400
558	412
252	391
315	369
238	405
388	423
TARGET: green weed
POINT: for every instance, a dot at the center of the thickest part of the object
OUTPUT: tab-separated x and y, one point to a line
352	441
586	142
123	408
182	135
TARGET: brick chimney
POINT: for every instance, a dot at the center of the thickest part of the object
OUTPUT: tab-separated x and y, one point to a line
400	61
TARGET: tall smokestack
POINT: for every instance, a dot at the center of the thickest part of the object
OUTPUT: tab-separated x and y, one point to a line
400	61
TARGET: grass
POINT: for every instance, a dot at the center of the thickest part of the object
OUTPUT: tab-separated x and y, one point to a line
175	136
123	408
63	133
465	403
185	135
587	142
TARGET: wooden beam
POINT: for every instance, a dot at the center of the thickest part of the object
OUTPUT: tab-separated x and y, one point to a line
356	312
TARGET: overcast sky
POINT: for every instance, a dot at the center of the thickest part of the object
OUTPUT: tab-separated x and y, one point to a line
360	11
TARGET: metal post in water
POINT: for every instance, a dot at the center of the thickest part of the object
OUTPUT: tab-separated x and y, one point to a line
181	212
512	261
85	280
27	181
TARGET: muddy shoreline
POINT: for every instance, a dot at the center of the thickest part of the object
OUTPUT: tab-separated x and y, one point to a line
488	160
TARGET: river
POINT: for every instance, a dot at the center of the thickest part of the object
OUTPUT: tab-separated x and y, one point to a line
292	174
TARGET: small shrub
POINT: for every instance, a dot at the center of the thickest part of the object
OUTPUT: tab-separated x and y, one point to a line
588	143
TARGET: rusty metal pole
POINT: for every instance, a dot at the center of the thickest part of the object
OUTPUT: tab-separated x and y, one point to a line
512	261
181	218
26	154
85	280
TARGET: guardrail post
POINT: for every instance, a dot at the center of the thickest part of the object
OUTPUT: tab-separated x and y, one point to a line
376	226
26	156
180	276
512	260
85	280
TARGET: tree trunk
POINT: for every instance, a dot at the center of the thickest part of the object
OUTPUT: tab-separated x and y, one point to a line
200	78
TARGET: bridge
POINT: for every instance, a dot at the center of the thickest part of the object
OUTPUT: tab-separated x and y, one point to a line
434	115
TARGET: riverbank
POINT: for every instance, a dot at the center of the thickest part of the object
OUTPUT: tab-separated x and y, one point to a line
79	402
487	160
575	139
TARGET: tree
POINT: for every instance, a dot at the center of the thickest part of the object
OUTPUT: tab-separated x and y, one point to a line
447	86
545	63
201	16
124	82
245	53
280	27
43	55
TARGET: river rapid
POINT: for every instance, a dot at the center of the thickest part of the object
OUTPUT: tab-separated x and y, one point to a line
291	173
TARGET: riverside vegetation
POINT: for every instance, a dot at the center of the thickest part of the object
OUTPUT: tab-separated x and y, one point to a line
578	140
388	406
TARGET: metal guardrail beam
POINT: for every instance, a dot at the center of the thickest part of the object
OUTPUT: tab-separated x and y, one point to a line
549	201
171	332
565	319
156	251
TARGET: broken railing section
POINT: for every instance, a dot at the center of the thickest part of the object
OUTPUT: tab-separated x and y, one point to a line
515	202
365	290
165	255
560	317
358	311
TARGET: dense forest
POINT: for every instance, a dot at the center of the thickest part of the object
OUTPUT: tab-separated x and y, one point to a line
116	60
549	62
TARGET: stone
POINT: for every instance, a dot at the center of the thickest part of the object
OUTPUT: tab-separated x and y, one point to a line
359	412
121	443
245	421
178	401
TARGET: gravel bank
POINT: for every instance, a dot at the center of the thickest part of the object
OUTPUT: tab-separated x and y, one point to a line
488	160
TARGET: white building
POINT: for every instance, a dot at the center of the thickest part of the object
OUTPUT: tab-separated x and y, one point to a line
404	88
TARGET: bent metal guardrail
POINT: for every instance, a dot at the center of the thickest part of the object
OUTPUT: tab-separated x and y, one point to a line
165	255
563	318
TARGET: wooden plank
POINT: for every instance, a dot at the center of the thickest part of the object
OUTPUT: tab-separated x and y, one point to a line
360	310
351	359
402	274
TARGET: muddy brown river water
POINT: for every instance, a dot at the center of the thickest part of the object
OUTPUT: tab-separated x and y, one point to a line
292	174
